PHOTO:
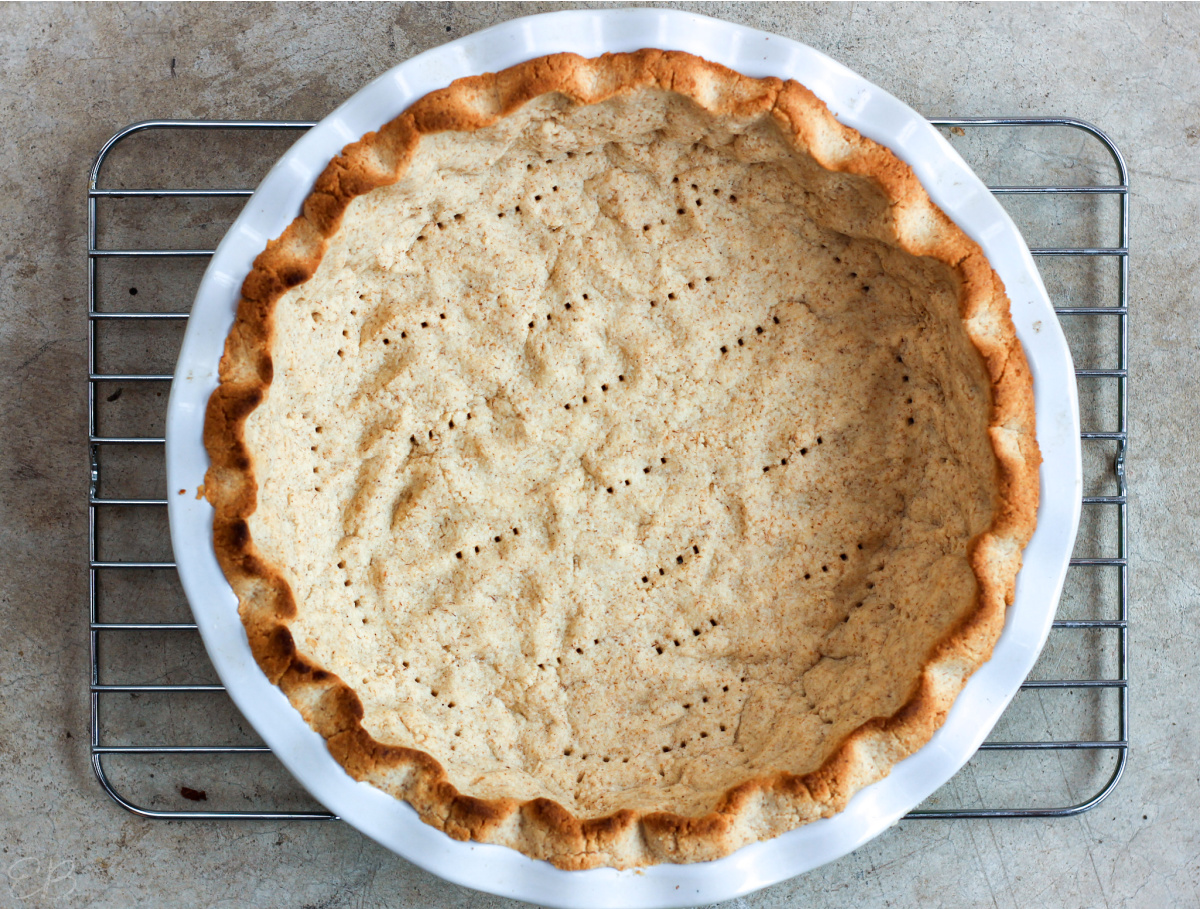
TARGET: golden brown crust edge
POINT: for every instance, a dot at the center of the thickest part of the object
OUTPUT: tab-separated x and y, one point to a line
758	808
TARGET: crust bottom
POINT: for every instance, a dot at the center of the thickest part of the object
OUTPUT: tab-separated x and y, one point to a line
758	808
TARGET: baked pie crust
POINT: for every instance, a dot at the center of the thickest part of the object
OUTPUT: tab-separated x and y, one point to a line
621	460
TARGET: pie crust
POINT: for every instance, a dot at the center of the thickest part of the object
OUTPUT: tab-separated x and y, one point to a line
659	421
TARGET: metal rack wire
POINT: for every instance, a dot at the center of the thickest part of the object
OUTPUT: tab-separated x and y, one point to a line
1110	647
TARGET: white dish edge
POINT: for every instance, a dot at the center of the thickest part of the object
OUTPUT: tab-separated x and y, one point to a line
857	103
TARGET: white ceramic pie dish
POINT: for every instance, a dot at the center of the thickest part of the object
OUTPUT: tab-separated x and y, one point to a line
952	186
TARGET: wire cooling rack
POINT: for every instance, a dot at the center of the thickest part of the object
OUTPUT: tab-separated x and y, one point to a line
162	735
